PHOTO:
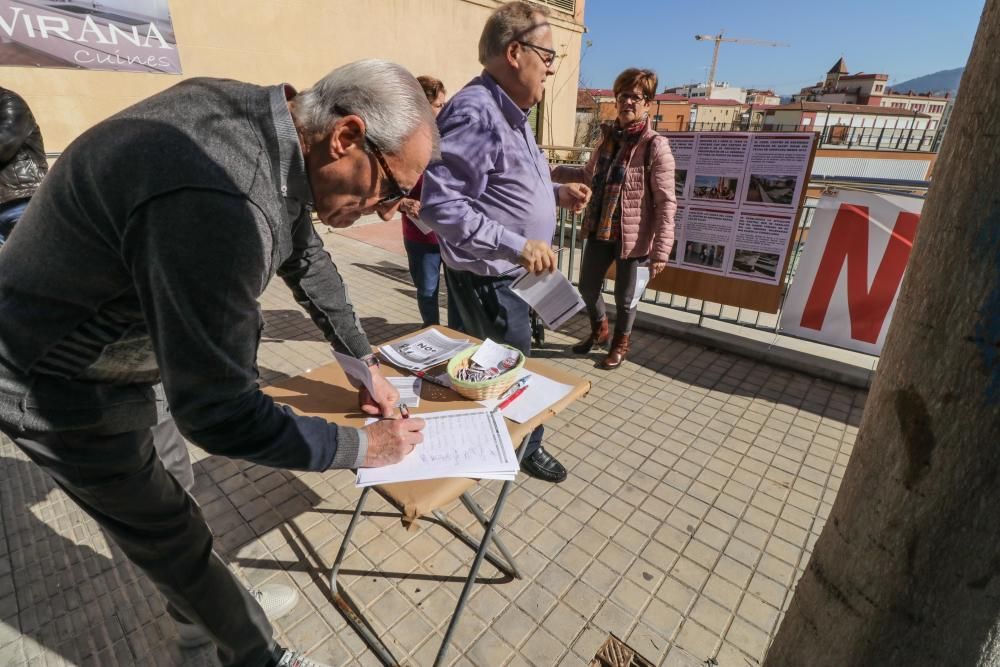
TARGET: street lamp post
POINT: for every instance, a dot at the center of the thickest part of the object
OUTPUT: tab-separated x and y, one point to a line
826	126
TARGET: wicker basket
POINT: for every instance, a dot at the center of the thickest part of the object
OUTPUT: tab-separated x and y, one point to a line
480	391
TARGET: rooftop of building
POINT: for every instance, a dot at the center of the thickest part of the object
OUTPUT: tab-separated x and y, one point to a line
846	108
711	101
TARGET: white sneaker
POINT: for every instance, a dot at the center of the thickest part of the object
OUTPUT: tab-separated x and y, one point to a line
275	599
296	659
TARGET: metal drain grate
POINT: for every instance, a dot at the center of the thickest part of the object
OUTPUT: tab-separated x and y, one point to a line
616	653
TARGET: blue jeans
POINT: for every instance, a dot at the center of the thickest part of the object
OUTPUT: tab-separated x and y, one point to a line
488	308
425	269
10	213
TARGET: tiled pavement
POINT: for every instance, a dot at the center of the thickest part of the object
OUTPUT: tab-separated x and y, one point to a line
698	484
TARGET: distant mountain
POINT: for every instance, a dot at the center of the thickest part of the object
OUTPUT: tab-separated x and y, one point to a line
945	81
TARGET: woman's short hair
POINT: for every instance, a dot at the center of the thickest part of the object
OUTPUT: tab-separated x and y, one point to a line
643	79
509	23
432	87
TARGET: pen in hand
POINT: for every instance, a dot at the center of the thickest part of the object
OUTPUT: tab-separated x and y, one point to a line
403	410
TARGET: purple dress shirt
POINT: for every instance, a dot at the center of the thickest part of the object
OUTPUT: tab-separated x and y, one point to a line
491	191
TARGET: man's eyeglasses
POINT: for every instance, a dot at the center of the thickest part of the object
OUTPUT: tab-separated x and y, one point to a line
396	191
548	56
629	97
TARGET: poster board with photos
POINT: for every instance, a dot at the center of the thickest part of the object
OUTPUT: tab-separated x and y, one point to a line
739	198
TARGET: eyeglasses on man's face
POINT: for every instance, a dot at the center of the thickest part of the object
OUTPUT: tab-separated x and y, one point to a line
548	56
396	192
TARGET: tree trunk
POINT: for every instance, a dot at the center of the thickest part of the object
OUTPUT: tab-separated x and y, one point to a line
907	569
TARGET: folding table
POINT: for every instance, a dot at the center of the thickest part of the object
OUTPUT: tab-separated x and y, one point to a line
325	392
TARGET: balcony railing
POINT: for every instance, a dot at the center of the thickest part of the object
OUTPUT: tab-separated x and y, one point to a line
835	136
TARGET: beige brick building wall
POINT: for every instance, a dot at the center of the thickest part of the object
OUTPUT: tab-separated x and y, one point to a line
298	41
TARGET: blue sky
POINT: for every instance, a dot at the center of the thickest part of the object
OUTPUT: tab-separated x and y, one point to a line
902	38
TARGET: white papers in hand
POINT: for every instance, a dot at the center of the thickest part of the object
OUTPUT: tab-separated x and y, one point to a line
408	388
457	443
541	392
422	351
421	225
641	280
550	294
358	373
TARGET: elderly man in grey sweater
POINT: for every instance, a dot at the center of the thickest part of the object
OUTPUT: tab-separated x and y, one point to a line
141	259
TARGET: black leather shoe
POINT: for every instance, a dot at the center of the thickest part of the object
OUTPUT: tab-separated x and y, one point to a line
544	466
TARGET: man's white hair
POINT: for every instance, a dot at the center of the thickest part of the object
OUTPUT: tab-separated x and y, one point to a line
385	95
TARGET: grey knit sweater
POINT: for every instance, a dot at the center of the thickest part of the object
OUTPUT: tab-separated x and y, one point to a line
142	257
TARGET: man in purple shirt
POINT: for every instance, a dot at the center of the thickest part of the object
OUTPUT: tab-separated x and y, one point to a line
490	198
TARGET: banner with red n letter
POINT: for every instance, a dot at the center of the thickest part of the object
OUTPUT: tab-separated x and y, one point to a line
847	280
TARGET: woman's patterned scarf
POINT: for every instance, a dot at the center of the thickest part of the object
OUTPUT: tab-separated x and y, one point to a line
609	175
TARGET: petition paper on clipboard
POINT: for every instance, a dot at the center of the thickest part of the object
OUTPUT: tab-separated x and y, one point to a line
550	295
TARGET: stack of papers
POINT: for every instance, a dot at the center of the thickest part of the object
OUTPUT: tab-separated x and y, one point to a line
408	388
550	294
422	351
457	443
641	280
540	393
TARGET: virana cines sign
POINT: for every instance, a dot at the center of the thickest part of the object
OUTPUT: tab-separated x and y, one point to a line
134	36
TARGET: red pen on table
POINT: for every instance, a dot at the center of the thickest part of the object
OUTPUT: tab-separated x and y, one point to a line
430	378
510	399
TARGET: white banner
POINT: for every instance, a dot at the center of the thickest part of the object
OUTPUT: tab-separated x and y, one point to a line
122	35
845	287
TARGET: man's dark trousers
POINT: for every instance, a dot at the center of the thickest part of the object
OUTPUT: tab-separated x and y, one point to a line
489	309
121	483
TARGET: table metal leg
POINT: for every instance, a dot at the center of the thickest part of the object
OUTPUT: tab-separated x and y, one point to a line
480	553
505	564
347	538
343	601
350	610
478	513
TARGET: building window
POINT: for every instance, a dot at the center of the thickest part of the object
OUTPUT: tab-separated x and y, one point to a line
657	118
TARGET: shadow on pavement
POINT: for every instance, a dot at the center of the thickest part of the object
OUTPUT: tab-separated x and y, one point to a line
707	368
75	593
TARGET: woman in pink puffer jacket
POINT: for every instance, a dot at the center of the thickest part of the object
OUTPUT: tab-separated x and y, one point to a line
630	220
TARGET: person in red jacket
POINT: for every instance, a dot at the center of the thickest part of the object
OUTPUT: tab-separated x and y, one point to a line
422	249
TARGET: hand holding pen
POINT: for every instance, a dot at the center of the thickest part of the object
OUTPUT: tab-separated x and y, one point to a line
390	440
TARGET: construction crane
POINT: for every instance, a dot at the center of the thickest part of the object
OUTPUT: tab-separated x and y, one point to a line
719	39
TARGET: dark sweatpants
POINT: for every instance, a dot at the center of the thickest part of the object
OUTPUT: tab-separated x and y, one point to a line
488	308
121	482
